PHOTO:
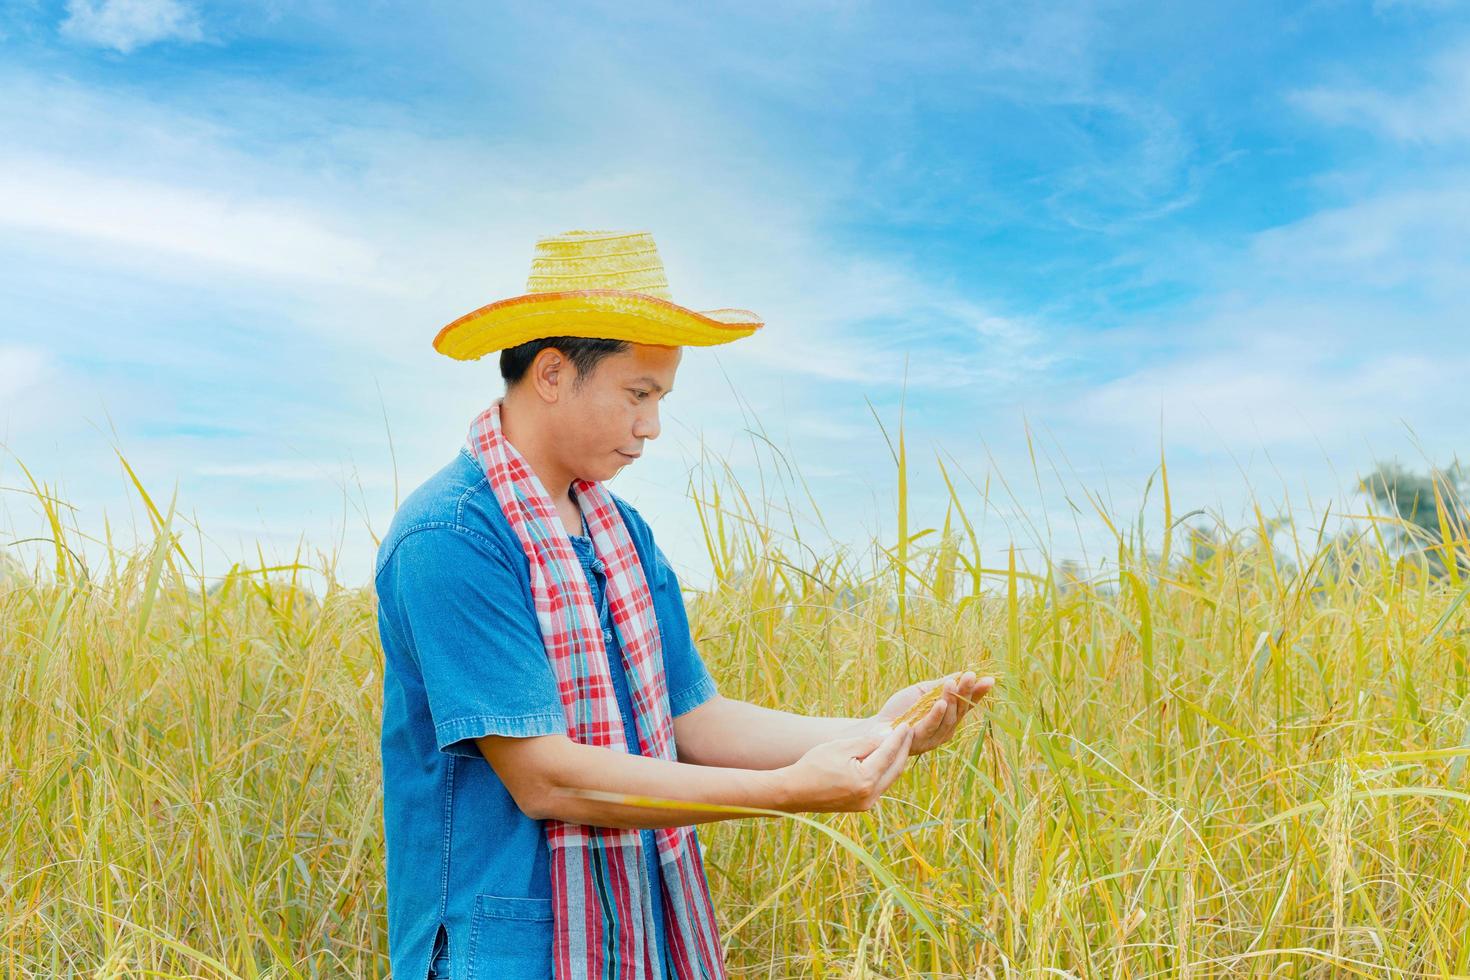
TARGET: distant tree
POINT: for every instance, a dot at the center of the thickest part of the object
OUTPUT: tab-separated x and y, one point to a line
1426	522
1196	544
1070	575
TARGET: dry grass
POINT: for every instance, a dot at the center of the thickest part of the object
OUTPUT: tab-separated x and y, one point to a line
1200	768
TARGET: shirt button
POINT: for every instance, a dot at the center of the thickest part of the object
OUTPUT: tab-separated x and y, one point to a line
607	636
598	565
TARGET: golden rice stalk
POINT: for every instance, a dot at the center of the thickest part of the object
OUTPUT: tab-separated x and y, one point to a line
921	707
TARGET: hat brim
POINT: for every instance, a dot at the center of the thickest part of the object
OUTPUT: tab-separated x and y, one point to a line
614	314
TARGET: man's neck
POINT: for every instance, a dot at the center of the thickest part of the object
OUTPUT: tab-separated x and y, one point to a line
517	424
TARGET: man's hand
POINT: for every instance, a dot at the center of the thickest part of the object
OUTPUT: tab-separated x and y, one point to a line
846	774
961	693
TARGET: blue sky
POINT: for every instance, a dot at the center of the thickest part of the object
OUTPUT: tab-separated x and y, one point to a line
228	233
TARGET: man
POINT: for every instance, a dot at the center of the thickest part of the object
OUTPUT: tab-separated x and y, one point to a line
536	646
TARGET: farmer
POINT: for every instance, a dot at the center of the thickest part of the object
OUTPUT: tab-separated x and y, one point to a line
536	644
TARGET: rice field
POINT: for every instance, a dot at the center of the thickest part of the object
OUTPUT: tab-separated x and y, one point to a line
1246	759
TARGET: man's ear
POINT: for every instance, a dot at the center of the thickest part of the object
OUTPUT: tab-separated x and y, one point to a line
549	374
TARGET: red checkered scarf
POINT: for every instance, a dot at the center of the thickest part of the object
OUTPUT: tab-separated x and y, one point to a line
601	901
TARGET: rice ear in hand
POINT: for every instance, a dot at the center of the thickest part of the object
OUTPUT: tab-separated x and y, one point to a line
920	708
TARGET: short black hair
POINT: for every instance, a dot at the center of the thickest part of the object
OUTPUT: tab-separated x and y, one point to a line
583	352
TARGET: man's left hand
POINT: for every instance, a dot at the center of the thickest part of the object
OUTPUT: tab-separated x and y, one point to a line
961	693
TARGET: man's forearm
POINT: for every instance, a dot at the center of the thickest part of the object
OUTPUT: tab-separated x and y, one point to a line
578	767
741	735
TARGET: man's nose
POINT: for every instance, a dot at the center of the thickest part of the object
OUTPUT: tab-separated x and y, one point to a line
647	427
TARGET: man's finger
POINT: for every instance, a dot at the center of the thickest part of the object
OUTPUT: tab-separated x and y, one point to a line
977	690
880	758
932	719
860	746
926	728
981	687
896	767
937	725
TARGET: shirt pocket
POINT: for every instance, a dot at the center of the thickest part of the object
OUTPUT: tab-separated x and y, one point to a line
510	939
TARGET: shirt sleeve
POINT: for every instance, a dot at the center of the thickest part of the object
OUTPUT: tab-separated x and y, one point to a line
473	632
690	682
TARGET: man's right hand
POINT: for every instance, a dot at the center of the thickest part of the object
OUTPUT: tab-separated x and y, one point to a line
846	774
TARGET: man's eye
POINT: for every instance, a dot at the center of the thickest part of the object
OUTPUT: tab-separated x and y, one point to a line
640	394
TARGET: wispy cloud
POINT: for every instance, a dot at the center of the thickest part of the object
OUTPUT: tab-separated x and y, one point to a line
1415	235
282	471
21	368
126	25
1275	388
239	232
37	392
1432	112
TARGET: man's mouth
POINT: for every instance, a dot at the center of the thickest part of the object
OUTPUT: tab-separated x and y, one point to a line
628	455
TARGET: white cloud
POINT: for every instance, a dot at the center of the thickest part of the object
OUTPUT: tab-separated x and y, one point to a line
287	471
1413	235
1347	326
1329	342
1432	113
855	320
337	472
125	25
1271	391
244	233
21	368
39	396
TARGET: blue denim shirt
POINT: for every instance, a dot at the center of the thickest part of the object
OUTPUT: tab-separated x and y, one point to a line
463	658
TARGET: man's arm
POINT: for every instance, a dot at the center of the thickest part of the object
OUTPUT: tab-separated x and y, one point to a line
543	773
725	732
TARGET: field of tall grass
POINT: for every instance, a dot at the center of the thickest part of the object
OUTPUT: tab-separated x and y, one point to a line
1241	760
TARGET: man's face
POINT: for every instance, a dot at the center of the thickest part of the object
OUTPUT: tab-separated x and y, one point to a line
606	422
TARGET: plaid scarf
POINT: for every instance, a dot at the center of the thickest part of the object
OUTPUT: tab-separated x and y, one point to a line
601	899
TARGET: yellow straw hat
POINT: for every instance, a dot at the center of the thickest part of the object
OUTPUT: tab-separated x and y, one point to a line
606	284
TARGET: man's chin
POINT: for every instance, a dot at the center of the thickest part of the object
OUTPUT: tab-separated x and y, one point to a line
604	474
